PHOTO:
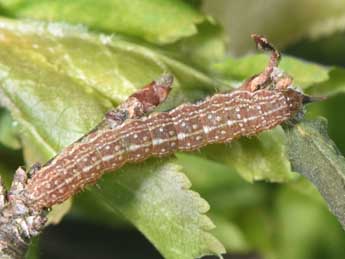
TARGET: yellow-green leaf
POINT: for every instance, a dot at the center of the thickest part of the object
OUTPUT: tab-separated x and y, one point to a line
158	21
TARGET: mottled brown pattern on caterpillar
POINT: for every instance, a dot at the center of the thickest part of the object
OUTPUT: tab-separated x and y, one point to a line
261	103
220	118
19	222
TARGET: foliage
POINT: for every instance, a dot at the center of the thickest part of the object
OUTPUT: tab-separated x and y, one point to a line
58	79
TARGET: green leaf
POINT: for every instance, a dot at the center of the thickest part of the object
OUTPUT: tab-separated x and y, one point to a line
305	74
315	79
257	223
196	3
283	22
316	157
208	175
158	21
84	70
8	130
334	85
58	81
230	234
157	200
330	109
262	157
33	251
6	172
10	160
306	229
85	208
303	186
89	65
208	46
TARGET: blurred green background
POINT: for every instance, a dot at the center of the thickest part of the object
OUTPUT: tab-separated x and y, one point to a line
260	208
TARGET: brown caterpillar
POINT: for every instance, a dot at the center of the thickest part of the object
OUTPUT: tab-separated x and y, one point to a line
262	103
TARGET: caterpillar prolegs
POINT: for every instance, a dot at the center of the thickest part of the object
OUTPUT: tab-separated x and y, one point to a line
261	103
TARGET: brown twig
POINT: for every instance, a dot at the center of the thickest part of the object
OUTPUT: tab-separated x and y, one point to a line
18	221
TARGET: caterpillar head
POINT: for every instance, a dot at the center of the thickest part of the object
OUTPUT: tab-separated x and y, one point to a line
296	99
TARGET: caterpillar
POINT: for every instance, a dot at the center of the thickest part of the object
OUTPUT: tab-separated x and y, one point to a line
261	103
